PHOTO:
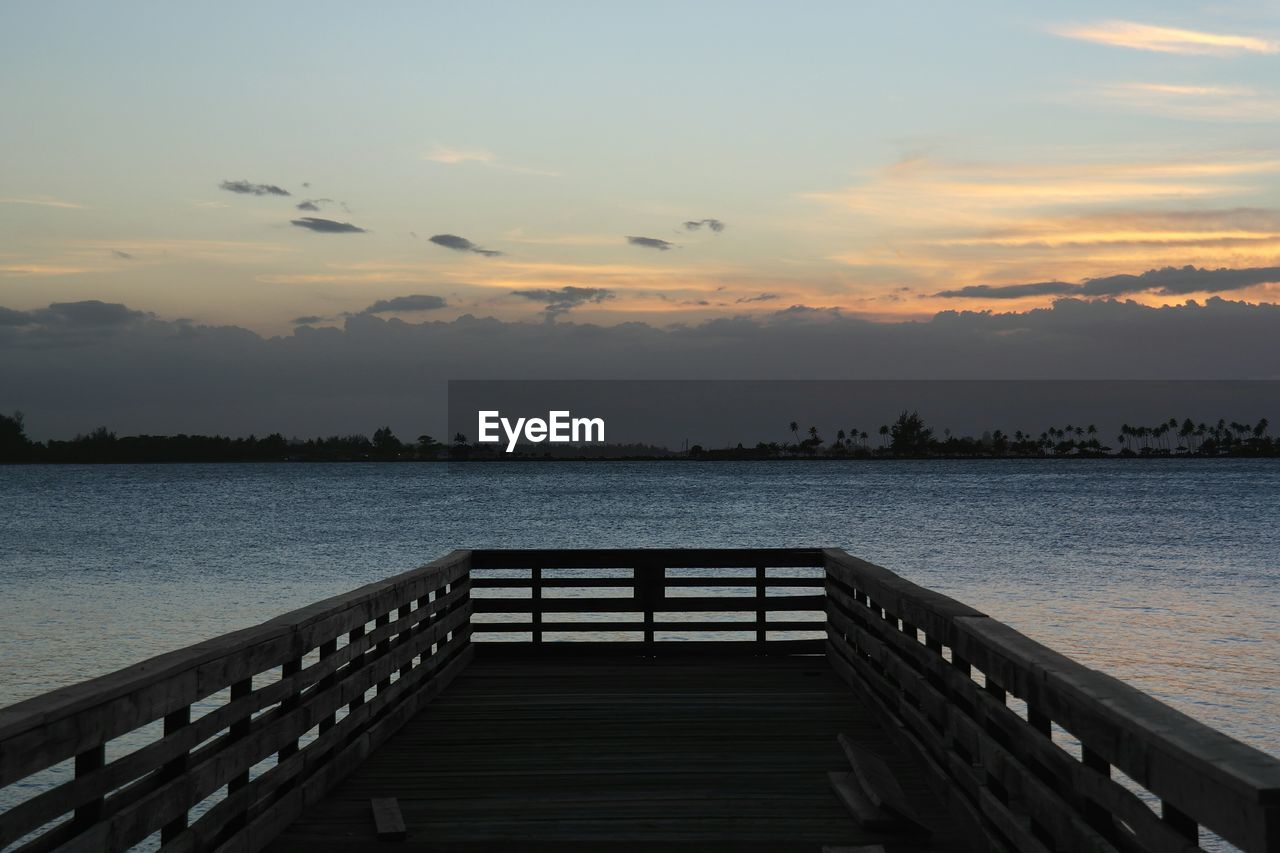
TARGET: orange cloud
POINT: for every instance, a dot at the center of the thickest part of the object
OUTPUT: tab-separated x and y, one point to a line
1167	39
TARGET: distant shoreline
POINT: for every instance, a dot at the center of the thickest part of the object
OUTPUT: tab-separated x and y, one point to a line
906	438
676	458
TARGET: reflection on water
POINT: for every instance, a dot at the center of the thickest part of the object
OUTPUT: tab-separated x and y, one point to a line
1161	572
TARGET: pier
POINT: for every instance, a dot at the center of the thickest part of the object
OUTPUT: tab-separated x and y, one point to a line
626	700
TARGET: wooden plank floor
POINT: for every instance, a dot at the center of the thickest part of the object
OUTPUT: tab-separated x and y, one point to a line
622	754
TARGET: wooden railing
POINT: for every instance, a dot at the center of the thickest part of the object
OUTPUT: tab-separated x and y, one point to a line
252	726
1026	740
288	707
650	601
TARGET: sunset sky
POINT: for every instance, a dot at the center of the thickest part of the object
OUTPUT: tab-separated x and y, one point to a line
889	161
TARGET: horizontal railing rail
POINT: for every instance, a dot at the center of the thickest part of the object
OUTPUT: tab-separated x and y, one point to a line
650	601
228	739
996	717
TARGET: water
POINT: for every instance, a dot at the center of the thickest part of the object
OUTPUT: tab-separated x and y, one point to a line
1161	572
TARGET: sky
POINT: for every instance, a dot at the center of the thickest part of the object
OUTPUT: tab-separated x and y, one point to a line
273	171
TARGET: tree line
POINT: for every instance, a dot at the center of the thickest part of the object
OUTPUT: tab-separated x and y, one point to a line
907	437
910	437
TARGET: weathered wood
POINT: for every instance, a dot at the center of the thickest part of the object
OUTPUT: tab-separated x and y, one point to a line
619	754
154	787
387	820
627	558
876	779
864	810
1037	790
940	672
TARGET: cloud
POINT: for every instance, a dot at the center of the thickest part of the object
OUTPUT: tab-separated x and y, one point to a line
763	297
246	188
10	317
43	201
124	256
455	156
462	244
160	376
714	224
416	302
1010	291
87	313
313	204
308	319
651	243
565	299
1176	281
1168	281
1167	39
1202	103
327	226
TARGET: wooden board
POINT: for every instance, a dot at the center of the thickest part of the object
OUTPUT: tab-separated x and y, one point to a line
877	780
622	754
387	820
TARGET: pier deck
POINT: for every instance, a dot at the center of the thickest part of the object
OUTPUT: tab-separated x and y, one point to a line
624	754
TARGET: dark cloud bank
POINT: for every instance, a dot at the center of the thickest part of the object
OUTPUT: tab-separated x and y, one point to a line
73	366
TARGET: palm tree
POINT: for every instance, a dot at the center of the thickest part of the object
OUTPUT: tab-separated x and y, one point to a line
795	430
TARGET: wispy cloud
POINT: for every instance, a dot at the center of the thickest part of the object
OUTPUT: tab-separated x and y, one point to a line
479	156
1205	103
713	224
248	188
462	244
762	297
124	256
651	243
40	270
1138	36
326	226
42	201
565	299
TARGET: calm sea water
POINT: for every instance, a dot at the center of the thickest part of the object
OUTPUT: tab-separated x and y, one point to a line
1165	573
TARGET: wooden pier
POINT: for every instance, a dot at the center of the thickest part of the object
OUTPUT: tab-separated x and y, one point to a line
764	699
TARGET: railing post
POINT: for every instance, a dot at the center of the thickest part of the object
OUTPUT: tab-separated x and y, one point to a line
535	606
238	730
761	613
356	664
1179	821
87	762
173	722
404	637
289	669
327	650
1096	816
383	647
649	594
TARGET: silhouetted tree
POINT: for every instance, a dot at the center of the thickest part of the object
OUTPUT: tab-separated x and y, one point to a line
14	444
909	435
385	441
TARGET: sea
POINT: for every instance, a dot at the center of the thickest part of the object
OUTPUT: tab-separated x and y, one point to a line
1162	572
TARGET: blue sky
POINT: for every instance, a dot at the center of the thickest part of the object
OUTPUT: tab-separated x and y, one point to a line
863	157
